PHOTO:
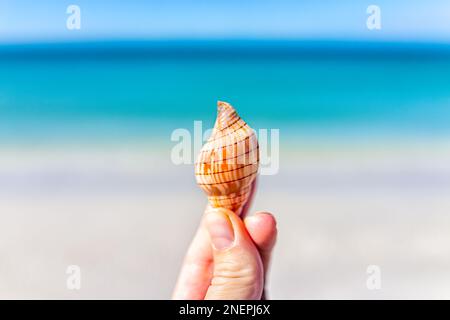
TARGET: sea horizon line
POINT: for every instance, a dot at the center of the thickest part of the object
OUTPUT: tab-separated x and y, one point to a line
250	47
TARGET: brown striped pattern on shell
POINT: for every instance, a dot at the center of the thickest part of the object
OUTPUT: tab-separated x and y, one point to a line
228	162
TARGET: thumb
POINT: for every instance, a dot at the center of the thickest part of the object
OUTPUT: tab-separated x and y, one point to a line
238	271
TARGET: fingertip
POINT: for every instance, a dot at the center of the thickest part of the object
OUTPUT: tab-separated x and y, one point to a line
237	224
238	269
262	219
220	229
262	227
268	218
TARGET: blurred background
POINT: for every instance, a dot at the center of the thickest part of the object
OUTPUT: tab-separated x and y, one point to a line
86	117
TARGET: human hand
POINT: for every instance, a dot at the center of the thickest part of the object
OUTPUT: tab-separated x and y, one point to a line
228	257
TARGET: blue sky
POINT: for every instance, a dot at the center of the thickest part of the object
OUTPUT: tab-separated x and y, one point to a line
45	20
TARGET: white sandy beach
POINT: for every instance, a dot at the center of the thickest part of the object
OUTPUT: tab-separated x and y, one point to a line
126	216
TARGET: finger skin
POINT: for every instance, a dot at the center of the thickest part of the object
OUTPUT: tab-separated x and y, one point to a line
196	272
262	228
238	272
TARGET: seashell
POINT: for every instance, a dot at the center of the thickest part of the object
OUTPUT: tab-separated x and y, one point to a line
228	162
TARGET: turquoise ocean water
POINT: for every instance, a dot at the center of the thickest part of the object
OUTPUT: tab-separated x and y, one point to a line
121	90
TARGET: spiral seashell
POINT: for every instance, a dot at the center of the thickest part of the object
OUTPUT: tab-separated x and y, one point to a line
228	162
